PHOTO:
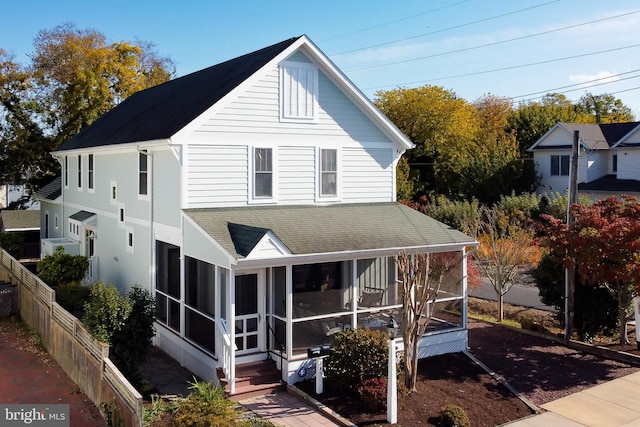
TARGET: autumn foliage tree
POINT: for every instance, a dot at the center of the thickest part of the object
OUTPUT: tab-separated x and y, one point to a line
604	246
506	250
74	77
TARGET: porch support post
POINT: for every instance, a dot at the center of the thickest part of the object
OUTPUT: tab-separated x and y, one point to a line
231	315
289	312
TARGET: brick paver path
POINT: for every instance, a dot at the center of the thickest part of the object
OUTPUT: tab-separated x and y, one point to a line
29	375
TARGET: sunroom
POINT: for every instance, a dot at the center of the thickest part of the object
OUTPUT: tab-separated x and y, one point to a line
270	282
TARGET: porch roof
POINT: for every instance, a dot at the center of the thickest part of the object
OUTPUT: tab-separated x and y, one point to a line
306	230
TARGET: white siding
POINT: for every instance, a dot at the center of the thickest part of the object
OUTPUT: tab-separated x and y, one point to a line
216	175
628	163
367	175
296	182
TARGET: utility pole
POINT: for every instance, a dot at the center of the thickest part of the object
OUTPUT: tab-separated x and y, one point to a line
570	273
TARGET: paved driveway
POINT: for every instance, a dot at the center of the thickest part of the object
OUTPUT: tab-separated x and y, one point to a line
29	375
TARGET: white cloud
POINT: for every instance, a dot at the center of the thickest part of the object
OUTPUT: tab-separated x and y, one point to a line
599	77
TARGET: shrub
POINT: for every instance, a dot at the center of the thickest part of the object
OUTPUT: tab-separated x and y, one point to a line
60	268
72	296
205	406
131	344
105	312
357	355
373	393
454	214
123	322
13	243
595	310
453	416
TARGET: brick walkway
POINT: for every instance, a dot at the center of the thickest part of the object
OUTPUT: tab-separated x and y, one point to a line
29	375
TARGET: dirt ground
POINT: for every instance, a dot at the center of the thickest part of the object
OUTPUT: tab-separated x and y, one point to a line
540	369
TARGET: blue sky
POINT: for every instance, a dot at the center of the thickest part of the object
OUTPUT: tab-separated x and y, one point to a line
519	49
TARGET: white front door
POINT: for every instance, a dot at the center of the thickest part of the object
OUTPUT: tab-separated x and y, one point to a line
249	313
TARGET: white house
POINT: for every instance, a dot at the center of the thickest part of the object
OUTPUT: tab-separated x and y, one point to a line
608	160
256	200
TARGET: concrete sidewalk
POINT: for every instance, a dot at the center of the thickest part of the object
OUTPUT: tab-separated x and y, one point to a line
612	404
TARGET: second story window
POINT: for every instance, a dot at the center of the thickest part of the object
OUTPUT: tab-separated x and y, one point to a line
328	172
263	173
559	165
143	173
66	171
79	172
90	177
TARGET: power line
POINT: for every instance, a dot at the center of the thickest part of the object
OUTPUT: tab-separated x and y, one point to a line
446	29
494	43
511	67
393	22
585	82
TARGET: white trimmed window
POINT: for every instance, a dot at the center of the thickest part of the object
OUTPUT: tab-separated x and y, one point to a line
143	174
130	241
559	165
90	173
113	192
66	171
299	91
79	172
262	173
328	173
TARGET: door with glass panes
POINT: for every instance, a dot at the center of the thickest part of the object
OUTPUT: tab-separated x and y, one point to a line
249	313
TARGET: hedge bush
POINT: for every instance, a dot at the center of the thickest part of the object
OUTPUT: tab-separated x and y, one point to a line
357	355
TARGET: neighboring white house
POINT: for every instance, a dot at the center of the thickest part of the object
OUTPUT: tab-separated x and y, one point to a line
608	161
255	199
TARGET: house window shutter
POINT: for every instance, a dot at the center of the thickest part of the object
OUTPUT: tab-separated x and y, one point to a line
299	85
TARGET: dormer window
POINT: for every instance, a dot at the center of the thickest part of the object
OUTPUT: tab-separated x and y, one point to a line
298	91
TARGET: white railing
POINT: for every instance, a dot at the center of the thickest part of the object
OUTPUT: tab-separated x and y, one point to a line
227	353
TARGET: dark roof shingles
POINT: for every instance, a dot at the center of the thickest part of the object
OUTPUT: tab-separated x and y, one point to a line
161	111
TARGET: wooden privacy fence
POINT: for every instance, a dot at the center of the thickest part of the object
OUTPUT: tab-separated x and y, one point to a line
83	358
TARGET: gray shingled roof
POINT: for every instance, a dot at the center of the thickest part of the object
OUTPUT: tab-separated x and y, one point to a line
161	111
596	136
328	229
51	191
20	220
82	216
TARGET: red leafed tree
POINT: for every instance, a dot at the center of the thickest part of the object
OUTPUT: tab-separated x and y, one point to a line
604	246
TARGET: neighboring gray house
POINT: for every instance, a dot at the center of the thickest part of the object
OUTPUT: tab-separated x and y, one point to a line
608	163
26	224
256	200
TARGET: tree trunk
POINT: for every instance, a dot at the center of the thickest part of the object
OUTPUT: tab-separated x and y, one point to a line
501	307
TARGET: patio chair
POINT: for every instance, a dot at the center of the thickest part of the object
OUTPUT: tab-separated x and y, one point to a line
371	298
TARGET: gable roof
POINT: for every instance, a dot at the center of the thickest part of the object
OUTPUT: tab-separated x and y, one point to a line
307	230
13	220
598	136
51	191
611	184
159	112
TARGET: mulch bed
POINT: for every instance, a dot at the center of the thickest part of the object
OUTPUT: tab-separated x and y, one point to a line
540	369
451	379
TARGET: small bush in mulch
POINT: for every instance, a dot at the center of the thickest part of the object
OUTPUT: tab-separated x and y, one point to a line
453	416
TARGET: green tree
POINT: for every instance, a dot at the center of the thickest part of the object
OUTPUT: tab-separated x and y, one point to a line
74	77
604	108
61	268
438	122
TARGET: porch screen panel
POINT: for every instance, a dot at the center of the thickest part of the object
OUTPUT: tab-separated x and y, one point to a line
280	291
452	278
318	289
378	274
168	284
200	285
200	329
